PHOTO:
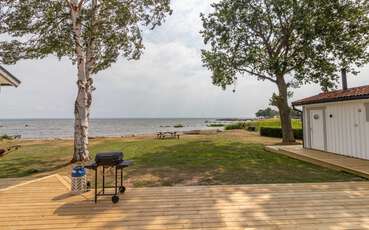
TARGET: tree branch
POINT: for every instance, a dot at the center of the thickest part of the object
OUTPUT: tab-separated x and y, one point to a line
259	33
80	3
68	3
262	76
91	45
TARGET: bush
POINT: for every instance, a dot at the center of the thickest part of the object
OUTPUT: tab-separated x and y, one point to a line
5	137
298	133
257	124
178	126
251	128
239	125
277	132
215	125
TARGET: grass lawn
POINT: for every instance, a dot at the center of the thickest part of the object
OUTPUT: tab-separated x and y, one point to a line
272	122
232	157
275	122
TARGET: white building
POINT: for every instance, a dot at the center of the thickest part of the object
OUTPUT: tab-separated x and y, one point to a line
337	121
7	79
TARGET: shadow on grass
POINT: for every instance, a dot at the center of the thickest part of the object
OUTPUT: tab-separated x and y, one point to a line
208	162
27	166
211	163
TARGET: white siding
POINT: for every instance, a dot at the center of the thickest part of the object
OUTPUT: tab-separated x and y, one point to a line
347	129
306	128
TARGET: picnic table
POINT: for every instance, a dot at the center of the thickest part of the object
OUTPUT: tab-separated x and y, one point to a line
164	135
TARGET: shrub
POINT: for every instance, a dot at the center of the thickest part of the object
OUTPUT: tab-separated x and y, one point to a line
215	125
239	125
178	126
277	132
298	133
5	137
257	124
251	128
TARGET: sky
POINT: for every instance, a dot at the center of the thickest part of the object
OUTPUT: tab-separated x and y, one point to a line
168	81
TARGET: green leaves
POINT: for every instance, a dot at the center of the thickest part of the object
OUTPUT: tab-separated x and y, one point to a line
302	40
39	28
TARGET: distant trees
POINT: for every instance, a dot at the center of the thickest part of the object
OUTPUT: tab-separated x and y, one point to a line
266	113
286	42
270	113
92	33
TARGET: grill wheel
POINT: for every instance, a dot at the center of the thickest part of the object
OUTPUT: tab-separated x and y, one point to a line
115	199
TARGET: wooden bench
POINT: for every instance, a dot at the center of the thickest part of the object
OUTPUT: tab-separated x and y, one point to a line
165	135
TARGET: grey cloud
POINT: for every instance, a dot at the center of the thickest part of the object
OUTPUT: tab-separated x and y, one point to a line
168	81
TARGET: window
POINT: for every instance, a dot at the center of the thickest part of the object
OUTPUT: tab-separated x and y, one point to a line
367	111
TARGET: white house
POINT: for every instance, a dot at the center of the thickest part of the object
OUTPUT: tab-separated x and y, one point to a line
337	121
7	79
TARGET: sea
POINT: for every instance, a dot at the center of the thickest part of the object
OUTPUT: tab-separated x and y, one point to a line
63	128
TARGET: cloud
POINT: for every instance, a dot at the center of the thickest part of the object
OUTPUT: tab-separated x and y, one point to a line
168	81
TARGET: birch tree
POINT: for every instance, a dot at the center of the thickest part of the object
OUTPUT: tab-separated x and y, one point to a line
92	33
286	42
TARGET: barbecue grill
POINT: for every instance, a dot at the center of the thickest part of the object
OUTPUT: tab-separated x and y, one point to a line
110	160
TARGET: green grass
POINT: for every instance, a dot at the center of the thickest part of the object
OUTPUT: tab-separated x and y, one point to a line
274	122
215	159
296	123
34	157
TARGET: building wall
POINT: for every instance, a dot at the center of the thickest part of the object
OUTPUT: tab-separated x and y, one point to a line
306	128
347	127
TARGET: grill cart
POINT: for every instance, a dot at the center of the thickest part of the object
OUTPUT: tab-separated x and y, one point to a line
110	160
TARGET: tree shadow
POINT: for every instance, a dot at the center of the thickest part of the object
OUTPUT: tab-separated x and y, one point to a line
234	207
210	163
226	206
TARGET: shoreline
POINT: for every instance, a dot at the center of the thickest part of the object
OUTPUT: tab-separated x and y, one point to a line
63	129
151	134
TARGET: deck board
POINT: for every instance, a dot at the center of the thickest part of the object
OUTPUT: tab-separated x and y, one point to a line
47	204
8	182
348	164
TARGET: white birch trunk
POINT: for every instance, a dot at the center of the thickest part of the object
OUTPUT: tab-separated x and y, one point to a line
84	95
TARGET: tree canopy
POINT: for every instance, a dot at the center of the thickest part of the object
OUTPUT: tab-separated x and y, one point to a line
39	28
266	113
308	40
287	42
92	33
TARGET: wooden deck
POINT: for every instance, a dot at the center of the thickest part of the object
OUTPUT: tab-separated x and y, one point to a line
47	204
7	182
352	165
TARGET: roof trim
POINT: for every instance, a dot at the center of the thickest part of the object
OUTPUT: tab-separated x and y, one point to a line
13	81
350	98
355	93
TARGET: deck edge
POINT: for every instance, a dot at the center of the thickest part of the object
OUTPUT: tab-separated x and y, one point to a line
322	163
27	182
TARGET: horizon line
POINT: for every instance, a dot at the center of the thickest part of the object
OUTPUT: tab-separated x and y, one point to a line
71	118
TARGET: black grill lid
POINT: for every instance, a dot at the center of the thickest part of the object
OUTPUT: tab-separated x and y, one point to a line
111	158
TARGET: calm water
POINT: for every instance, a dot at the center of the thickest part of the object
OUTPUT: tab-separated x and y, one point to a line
63	128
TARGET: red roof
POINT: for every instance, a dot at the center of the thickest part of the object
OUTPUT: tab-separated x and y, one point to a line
361	92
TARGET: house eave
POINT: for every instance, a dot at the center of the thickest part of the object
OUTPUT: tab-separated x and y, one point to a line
351	98
7	78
